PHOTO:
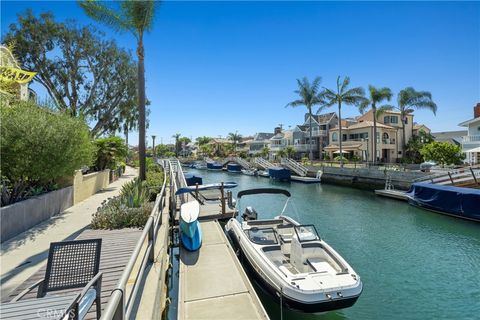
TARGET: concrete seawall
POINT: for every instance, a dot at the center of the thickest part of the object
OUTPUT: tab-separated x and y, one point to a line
366	178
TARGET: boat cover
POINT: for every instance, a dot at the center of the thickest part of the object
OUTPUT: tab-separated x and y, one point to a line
192	180
233	167
262	191
464	202
279	173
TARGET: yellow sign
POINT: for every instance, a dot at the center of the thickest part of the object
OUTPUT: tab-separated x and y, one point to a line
17	75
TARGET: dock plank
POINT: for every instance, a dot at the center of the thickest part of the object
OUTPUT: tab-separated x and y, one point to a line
117	247
213	276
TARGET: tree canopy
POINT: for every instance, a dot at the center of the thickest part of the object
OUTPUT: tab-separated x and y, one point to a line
84	75
443	153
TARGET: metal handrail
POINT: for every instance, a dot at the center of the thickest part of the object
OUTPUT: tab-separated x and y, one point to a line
119	306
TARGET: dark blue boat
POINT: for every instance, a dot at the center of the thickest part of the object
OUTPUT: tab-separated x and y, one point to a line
192	179
214	166
279	173
234	168
455	201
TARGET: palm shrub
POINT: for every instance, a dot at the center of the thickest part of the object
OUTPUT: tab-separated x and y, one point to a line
39	148
111	152
134	193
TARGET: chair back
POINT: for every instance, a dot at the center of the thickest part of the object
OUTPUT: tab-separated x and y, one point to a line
71	264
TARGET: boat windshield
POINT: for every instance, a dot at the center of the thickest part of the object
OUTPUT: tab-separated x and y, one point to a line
262	236
306	233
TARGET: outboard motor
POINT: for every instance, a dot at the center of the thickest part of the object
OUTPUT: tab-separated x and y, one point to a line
249	214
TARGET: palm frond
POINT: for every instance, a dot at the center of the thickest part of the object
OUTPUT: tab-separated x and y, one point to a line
140	14
381	110
295	103
345	83
106	15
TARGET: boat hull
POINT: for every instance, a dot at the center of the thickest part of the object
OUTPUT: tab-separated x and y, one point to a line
289	302
194	242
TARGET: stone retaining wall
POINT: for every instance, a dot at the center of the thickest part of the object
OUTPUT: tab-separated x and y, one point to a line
21	216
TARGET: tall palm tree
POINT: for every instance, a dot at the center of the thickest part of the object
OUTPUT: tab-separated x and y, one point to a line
409	100
377	95
137	18
309	97
177	136
289	151
235	137
342	95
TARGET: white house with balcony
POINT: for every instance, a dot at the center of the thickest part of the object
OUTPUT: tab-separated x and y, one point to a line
471	142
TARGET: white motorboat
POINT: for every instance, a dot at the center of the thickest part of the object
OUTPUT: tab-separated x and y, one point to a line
250	172
292	262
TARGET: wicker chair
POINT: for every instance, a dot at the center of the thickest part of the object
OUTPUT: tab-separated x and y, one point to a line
73	264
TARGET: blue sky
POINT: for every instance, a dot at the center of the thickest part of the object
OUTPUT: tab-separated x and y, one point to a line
218	67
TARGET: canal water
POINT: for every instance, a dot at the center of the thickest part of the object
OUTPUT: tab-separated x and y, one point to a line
414	264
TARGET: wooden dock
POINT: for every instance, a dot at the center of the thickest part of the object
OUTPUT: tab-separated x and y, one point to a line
117	247
394	194
213	284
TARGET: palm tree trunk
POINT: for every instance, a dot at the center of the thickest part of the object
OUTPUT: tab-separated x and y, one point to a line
141	109
340	138
310	142
404	143
374	108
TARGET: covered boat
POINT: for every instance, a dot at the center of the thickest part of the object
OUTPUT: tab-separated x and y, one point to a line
292	262
234	168
279	173
455	201
192	179
214	166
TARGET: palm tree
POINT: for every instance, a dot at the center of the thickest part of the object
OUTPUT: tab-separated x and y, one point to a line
265	152
342	94
409	100
289	151
235	138
136	17
282	153
309	96
203	140
176	136
377	95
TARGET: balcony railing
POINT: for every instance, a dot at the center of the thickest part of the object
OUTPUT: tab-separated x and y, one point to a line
316	133
303	147
472	138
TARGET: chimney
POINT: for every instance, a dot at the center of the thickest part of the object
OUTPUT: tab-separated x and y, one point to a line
476	111
277	130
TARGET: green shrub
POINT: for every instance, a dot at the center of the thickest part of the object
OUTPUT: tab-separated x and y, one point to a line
154	183
338	158
110	153
134	193
39	147
115	214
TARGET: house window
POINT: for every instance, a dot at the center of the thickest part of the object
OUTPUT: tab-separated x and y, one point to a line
386	119
393	119
406	120
344	137
334	136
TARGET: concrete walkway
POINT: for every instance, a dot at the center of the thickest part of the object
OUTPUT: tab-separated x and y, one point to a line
26	253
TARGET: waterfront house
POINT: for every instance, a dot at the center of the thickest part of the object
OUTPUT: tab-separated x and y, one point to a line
453	137
471	141
357	137
281	140
321	126
260	140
